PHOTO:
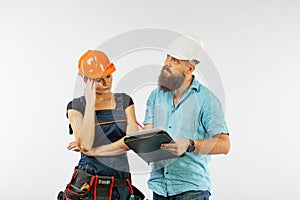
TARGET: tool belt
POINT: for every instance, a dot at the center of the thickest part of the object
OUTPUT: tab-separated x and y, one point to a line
82	183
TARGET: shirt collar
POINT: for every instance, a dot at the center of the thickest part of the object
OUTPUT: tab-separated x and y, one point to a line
195	85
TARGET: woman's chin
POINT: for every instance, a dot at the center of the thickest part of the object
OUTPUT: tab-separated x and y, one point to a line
105	91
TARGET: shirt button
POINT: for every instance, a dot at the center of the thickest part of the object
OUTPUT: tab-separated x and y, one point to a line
170	126
167	172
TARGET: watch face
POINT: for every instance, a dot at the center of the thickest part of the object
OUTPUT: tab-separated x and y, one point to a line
191	147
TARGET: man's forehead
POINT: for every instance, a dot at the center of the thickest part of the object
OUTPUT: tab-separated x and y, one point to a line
174	57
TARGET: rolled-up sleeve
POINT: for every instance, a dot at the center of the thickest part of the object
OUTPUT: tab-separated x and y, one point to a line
213	117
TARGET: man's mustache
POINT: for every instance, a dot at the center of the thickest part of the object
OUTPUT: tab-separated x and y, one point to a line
167	69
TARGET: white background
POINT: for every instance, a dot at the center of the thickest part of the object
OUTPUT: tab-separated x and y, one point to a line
255	46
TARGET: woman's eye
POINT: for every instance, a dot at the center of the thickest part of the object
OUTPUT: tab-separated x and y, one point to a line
98	80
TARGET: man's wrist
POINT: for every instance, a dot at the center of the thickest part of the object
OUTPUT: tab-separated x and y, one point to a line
191	146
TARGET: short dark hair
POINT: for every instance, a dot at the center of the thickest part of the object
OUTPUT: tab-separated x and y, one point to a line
194	62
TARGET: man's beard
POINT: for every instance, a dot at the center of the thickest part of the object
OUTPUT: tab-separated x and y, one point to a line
171	81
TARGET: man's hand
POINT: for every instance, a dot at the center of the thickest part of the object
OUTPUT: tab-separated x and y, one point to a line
178	148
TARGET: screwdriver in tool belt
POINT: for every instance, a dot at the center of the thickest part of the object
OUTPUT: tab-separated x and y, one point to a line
85	186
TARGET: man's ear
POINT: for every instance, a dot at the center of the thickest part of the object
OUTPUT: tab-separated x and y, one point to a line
190	68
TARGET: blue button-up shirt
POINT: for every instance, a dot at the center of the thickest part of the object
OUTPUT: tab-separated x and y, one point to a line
198	115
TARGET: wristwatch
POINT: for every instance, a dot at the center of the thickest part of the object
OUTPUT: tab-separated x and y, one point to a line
191	147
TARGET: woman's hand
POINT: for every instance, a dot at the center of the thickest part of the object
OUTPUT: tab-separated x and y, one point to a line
90	92
73	146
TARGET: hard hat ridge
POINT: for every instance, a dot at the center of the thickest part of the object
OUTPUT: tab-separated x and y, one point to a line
95	64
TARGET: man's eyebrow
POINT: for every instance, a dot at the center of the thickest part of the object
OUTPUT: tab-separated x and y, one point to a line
175	59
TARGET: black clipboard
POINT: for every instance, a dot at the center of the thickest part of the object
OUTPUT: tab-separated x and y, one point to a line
146	144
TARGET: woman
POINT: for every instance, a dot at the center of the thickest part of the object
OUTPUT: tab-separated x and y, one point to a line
100	120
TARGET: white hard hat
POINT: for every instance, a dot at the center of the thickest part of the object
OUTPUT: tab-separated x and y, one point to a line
186	48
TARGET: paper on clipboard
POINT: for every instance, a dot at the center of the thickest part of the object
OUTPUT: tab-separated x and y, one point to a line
145	132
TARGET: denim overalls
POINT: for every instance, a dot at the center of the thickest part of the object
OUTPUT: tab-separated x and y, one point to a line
110	126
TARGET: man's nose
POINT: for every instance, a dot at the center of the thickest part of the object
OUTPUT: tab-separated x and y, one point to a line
168	62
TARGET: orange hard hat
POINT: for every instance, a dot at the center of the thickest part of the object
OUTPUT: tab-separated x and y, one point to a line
95	64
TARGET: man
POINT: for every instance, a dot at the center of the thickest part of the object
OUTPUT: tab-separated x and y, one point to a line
193	116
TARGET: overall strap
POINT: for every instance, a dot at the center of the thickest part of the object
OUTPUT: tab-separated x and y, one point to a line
119	101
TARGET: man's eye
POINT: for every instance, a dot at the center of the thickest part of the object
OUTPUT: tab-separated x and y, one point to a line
175	60
108	76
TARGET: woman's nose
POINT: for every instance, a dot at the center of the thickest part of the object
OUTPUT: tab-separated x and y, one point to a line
104	80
